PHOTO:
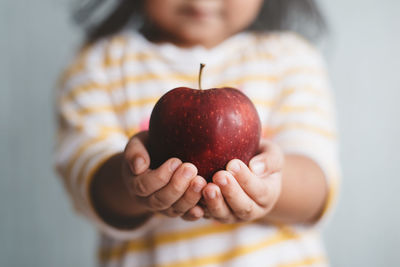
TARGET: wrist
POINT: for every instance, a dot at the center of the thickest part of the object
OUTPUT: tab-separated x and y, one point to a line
111	199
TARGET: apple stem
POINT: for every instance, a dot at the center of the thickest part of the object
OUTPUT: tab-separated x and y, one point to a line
200	73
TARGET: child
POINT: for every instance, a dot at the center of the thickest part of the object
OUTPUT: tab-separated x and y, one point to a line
264	214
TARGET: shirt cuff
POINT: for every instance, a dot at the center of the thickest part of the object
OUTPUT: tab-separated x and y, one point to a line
328	163
89	210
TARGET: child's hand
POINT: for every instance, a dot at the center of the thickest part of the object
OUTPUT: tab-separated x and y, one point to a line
245	194
173	189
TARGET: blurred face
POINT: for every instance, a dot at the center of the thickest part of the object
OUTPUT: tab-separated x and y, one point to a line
198	22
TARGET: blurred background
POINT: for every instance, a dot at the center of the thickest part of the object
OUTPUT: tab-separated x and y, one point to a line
37	224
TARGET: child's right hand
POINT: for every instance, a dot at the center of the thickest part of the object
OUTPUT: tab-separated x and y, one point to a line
173	189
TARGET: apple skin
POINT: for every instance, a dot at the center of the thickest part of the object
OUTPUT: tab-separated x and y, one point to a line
205	127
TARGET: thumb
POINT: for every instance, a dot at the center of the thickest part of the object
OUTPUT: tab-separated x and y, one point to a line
136	154
270	160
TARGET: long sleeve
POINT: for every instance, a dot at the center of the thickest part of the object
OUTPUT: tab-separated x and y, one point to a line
89	128
303	120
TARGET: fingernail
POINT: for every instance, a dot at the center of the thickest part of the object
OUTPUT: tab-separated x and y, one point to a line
222	181
211	194
257	167
188	172
138	162
234	166
197	187
174	165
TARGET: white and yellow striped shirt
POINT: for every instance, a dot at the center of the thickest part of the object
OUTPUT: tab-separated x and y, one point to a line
107	95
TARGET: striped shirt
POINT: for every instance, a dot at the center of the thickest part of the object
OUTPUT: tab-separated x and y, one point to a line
107	95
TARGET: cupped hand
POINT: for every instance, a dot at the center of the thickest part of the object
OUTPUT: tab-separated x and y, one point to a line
173	189
242	193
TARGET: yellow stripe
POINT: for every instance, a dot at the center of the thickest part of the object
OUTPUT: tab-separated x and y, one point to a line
104	132
263	103
132	131
332	195
143	102
90	177
116	41
239	61
162	239
87	87
309	89
220	258
300	126
81	176
152	76
303	70
81	60
92	172
249	78
90	86
128	58
109	130
305	262
68	170
78	66
78	153
117	108
299	109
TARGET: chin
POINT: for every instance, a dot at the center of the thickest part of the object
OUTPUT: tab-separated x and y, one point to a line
203	38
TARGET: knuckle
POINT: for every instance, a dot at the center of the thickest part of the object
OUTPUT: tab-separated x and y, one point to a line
139	188
230	194
244	179
162	176
175	188
189	199
178	210
189	216
214	209
170	213
245	213
157	203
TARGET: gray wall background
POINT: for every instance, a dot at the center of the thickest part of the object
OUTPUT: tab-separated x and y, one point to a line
37	225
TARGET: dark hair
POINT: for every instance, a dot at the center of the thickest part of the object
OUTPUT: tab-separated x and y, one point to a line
302	16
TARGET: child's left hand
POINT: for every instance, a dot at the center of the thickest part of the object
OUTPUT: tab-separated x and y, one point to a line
243	194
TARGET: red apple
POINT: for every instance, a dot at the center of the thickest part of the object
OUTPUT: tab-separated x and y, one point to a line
205	127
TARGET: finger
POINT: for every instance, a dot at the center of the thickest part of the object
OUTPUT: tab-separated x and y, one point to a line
203	205
191	197
270	160
193	214
240	203
216	205
175	188
252	185
206	213
153	180
136	154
